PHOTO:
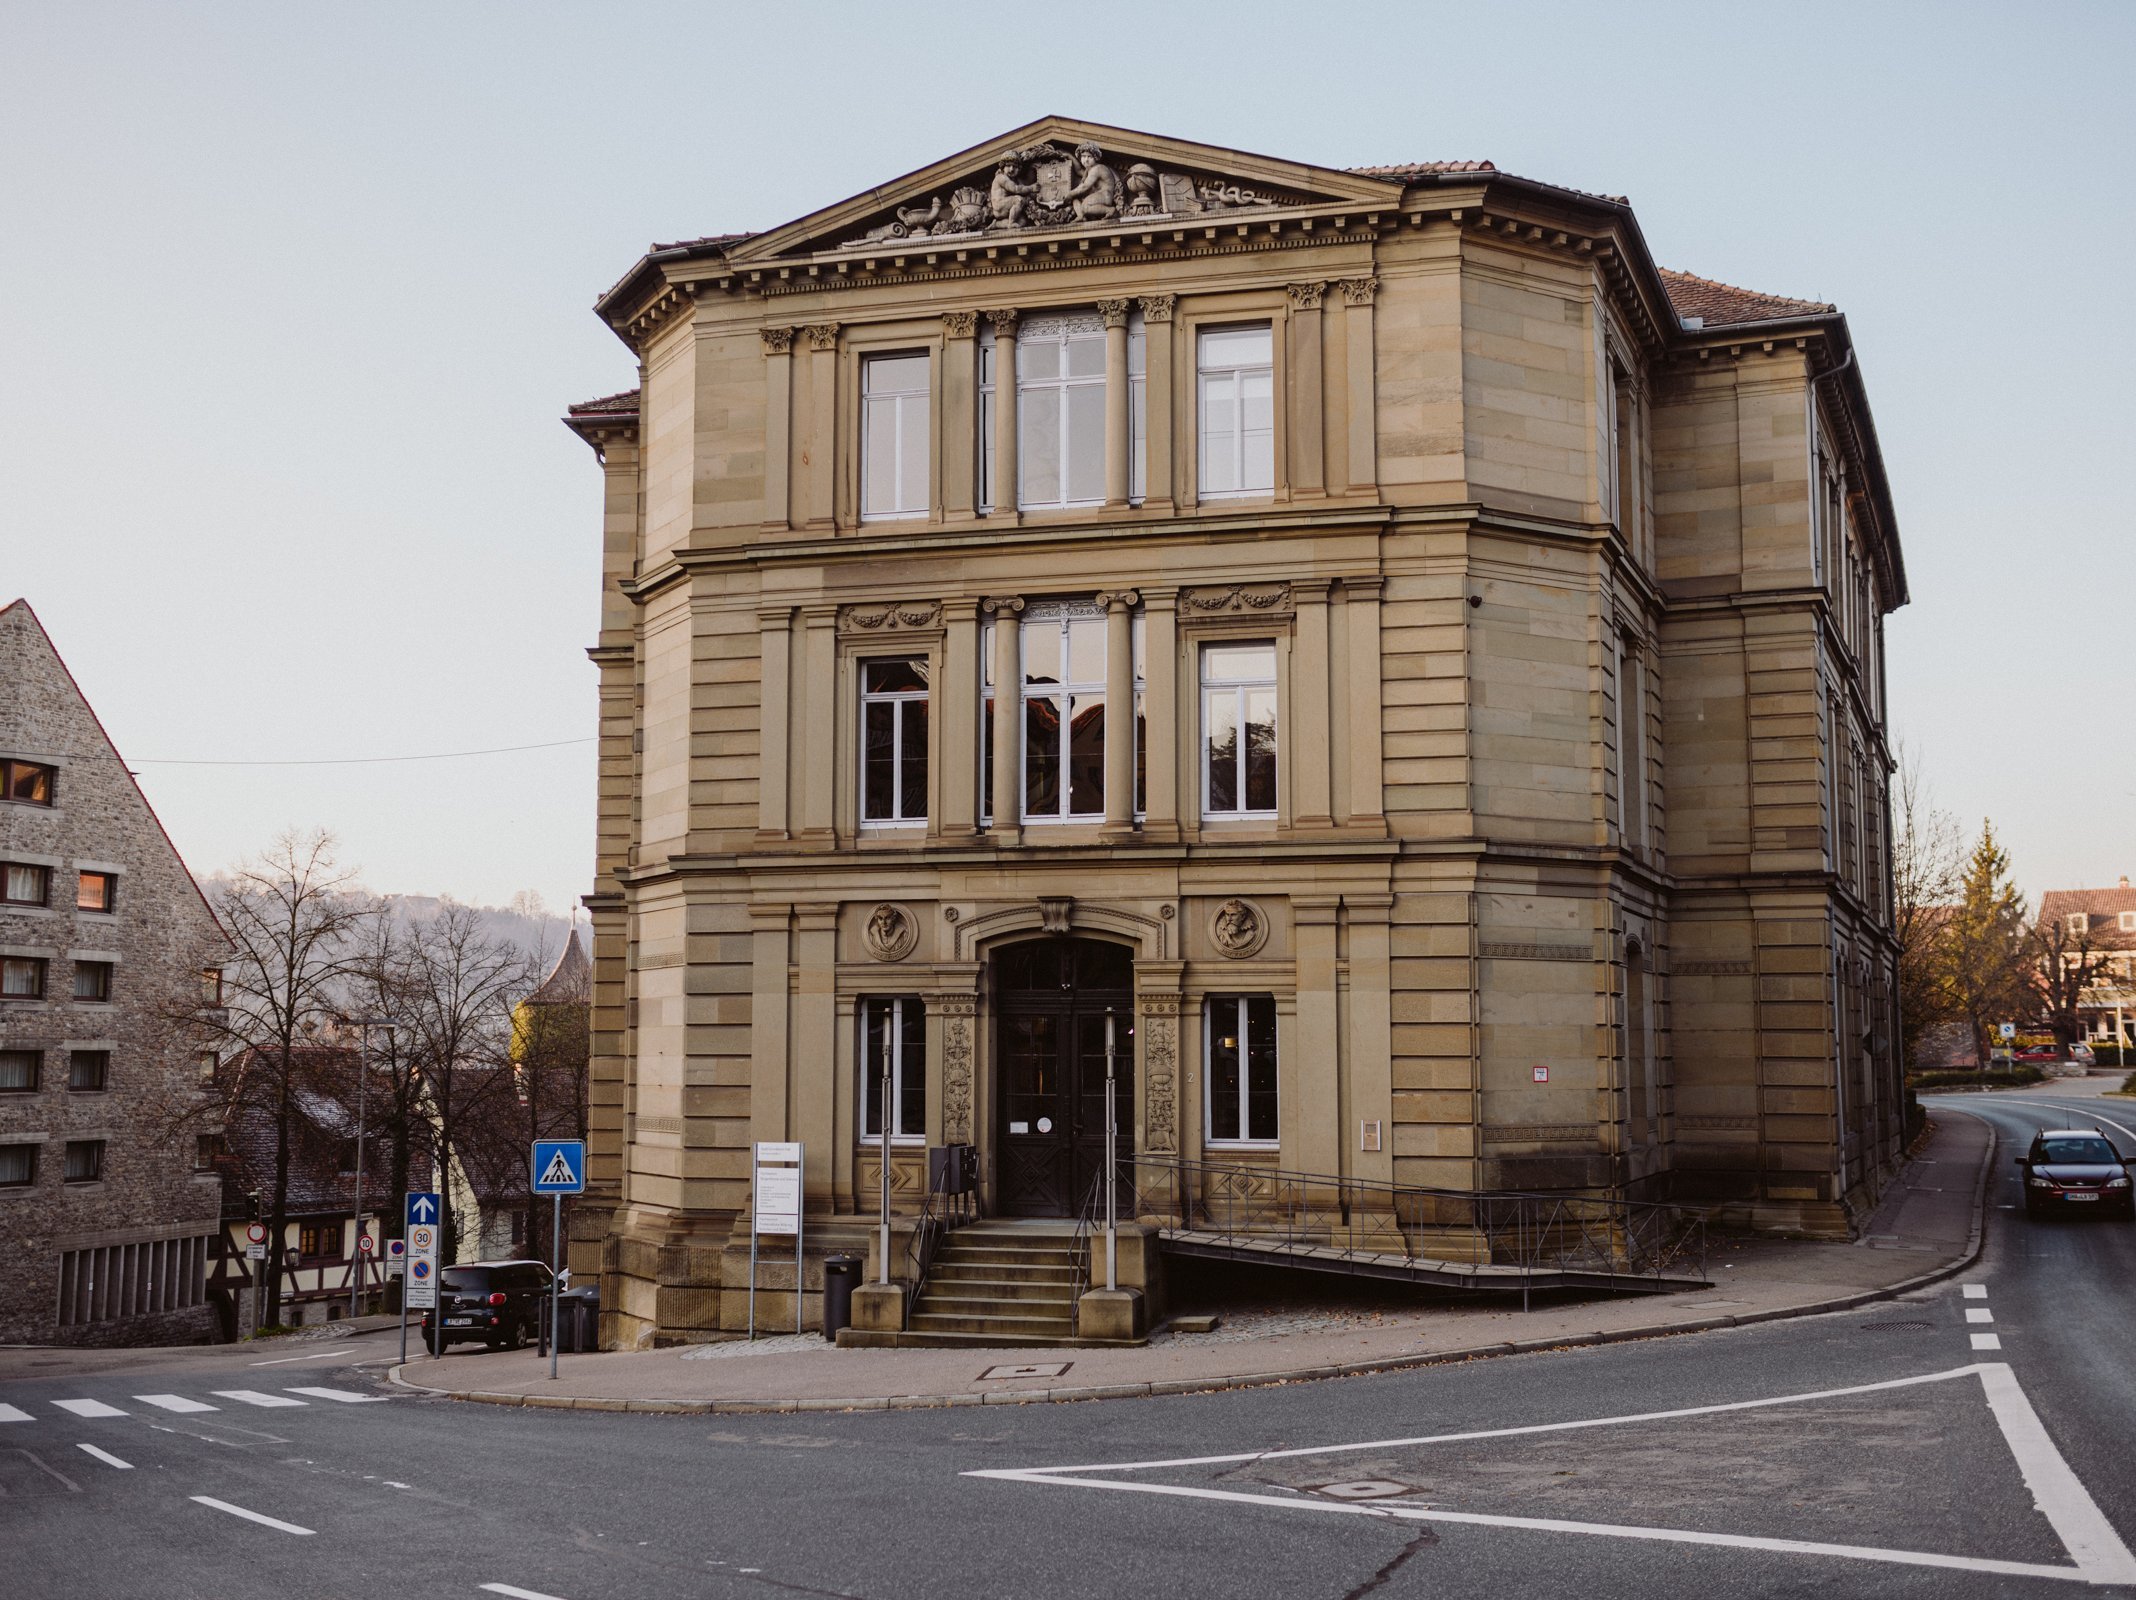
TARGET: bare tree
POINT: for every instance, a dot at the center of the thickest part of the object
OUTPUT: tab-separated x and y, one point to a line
379	987
293	916
2066	966
1927	871
453	987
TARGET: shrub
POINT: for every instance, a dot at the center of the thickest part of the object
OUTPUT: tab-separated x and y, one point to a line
2001	1078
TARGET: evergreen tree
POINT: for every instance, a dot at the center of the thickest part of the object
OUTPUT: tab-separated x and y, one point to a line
1986	961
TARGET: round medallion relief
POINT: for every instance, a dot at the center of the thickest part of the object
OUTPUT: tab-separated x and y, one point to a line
1238	929
890	933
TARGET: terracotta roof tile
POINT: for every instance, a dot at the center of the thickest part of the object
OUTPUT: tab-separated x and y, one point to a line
1723	303
623	404
1406	170
2105	908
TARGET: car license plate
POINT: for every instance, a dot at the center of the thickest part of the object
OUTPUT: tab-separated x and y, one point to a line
2080	1198
459	1322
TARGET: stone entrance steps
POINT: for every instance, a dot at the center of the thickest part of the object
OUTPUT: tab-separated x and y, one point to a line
1000	1282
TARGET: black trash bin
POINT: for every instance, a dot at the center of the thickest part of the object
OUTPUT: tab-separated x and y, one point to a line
578	1321
841	1276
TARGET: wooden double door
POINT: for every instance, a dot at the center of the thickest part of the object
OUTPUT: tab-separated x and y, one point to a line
1051	997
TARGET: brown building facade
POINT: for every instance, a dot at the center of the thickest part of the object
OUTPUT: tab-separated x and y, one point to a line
109	1200
1412	662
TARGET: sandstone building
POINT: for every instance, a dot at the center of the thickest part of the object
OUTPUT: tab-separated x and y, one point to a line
1413	662
109	1200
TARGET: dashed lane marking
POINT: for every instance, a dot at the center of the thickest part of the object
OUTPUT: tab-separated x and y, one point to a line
1987	1341
1979	1314
1976	1291
174	1402
345	1396
89	1408
249	1516
517	1594
253	1397
106	1457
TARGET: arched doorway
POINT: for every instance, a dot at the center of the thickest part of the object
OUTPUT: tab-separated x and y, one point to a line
1051	996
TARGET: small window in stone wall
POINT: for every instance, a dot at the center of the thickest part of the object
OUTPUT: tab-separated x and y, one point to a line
85	1161
19	1070
18	1165
28	782
22	977
208	1148
92	980
89	1069
24	885
97	891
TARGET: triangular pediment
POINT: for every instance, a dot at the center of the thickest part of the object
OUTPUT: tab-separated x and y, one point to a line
1061	174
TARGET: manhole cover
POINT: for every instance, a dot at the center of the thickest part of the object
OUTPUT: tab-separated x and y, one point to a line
1365	1489
1899	1326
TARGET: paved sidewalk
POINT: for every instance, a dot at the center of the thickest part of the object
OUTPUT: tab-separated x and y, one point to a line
1927	1227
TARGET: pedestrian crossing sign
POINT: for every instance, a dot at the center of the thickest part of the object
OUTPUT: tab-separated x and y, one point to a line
559	1166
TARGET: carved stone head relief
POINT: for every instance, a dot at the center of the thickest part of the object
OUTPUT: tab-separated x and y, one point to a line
890	933
1238	929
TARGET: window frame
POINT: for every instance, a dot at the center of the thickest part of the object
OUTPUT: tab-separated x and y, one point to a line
44	879
12	771
897	700
36	1064
102	1056
110	881
1075	327
28	1180
41	966
1061	615
1237	372
901	412
97	1150
1238	689
104	976
2079	924
1138	643
902	1066
1209	1009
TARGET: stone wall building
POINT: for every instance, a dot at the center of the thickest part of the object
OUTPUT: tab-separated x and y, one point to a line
109	1203
1411	661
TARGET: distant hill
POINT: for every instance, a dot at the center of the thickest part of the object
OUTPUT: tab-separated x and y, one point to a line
528	924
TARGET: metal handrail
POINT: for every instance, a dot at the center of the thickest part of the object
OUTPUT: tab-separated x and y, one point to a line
927	1233
1336	1218
1086	1235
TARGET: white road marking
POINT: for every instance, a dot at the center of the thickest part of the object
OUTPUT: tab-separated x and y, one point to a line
252	1397
283	1361
1987	1341
249	1516
2056	1490
517	1594
89	1408
14	1414
1979	1314
1976	1291
2101	1557
174	1402
346	1396
2072	1111
106	1457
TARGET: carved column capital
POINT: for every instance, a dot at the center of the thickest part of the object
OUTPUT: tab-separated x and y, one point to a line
995	604
1118	599
1158	307
822	335
777	341
1114	312
1305	296
960	324
1004	320
1359	291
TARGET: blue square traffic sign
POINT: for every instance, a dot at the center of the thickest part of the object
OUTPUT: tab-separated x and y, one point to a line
422	1206
559	1166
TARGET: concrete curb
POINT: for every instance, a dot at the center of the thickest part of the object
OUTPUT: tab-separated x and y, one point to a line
1976	1238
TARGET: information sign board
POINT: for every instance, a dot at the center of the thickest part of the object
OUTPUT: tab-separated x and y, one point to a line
422	1232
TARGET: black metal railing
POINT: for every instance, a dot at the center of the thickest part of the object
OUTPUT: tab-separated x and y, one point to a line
944	1209
1370	1224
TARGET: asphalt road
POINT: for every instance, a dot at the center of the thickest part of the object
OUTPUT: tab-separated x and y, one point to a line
1965	1472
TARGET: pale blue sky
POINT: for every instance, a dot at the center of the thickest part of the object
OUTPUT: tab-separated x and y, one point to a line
291	297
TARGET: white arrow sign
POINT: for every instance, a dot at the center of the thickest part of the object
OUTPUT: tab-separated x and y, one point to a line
423	1208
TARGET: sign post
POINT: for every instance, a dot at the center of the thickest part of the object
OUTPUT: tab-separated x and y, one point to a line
1112	1160
559	1169
420	1289
775	1210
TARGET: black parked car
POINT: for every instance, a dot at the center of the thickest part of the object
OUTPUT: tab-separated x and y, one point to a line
502	1303
2076	1169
